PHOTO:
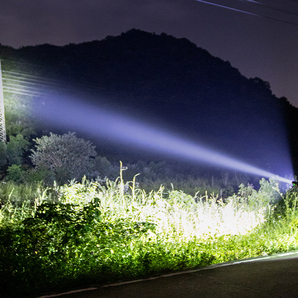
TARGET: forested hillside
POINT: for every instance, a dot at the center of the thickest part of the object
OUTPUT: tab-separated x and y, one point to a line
174	83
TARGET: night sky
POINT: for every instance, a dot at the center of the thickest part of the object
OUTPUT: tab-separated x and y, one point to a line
260	38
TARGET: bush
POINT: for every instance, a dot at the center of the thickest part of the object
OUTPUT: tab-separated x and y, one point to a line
92	234
65	156
104	168
288	205
15	149
15	173
55	244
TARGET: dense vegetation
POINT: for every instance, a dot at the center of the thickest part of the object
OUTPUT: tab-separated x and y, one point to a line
84	233
158	215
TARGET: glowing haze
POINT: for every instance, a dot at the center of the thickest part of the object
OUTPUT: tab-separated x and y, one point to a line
70	113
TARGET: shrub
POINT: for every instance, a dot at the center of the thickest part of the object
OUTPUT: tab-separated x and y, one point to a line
104	168
15	173
65	156
15	149
288	205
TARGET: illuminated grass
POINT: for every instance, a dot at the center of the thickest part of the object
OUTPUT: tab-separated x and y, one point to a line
175	213
100	234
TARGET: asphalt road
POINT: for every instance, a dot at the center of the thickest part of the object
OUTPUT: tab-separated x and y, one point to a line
275	276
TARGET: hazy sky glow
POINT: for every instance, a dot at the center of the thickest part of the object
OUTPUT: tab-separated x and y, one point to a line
263	43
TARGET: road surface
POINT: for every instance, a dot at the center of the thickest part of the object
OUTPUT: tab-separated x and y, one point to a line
264	277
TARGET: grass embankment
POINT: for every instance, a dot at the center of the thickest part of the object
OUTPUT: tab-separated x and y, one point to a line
82	233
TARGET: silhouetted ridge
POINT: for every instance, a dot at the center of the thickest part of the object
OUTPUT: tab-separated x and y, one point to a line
174	82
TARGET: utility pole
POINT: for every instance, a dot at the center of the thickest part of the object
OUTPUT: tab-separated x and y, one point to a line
2	115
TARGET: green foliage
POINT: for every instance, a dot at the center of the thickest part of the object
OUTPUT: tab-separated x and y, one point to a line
22	174
42	247
83	233
15	173
104	168
190	179
287	207
65	156
18	194
18	115
20	125
3	157
267	195
40	174
15	148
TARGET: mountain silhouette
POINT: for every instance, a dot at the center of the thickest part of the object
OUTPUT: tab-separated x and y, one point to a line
174	83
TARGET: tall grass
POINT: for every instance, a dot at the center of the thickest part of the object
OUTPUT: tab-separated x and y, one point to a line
18	201
174	212
47	239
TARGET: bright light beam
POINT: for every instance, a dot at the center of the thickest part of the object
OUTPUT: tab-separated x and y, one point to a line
72	114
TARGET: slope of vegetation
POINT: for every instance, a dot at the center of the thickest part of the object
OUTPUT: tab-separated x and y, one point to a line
84	233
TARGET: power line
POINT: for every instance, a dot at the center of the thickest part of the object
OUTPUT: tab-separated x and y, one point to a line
247	12
270	7
278	20
227	7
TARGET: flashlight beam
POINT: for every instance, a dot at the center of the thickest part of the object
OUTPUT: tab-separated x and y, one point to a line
118	128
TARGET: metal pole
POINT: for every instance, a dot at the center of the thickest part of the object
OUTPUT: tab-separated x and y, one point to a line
2	115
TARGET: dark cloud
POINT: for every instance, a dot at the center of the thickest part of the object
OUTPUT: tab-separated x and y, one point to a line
257	46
